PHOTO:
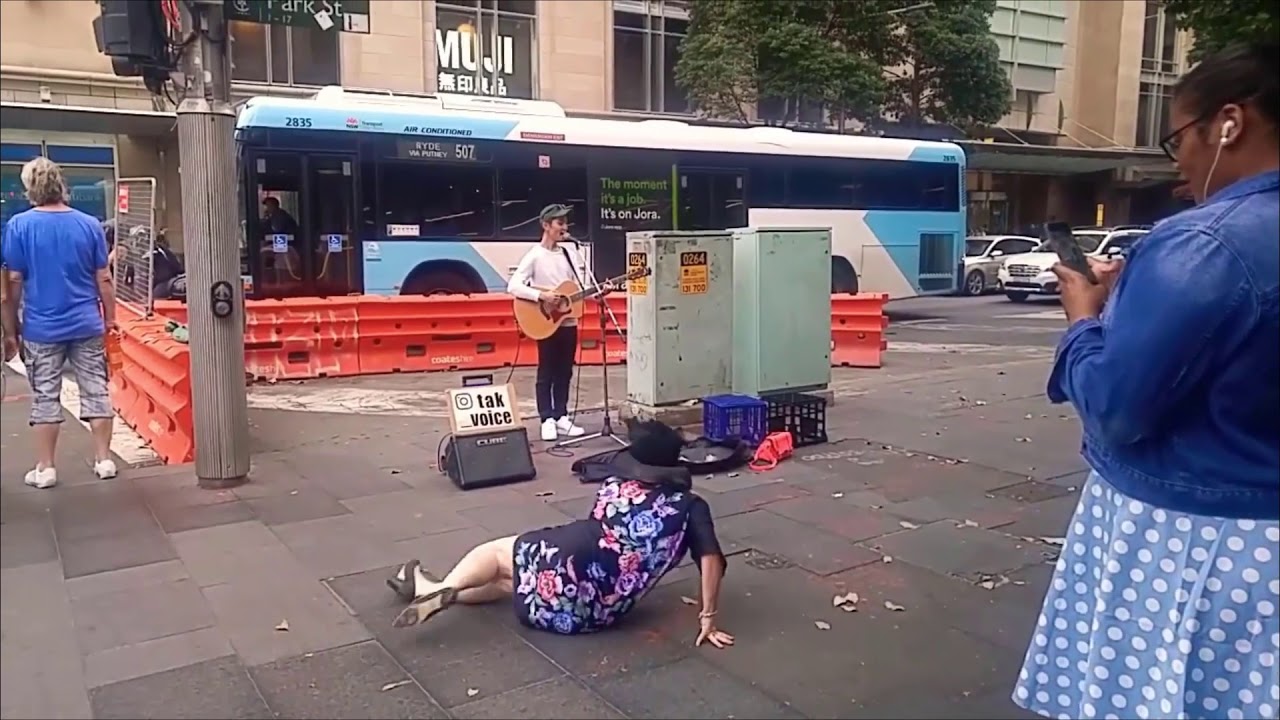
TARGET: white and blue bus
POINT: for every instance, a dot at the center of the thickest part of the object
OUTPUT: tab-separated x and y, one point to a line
361	192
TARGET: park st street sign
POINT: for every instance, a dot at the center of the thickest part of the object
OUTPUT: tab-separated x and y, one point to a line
325	15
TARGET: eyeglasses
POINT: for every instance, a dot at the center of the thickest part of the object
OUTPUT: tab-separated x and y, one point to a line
1172	141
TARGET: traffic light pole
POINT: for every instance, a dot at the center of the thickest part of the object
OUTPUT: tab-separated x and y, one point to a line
215	300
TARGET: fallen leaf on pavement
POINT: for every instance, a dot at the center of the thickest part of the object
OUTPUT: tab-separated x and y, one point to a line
472	692
821	625
908	525
895	607
846	599
394	685
837	495
688	600
545	493
968	523
887	559
1053	540
283	626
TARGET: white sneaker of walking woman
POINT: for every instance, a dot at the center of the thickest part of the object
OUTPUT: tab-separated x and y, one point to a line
46	477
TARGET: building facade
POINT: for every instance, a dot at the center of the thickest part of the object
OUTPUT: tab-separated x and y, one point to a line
1090	82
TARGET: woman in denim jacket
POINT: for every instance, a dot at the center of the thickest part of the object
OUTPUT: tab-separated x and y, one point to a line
1164	601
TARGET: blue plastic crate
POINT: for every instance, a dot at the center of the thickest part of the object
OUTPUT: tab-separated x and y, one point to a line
735	416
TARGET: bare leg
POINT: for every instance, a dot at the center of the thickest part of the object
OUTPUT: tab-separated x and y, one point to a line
477	577
46	443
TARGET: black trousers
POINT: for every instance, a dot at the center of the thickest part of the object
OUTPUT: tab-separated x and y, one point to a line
556	355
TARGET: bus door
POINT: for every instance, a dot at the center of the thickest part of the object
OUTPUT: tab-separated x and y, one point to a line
711	199
302	230
331	238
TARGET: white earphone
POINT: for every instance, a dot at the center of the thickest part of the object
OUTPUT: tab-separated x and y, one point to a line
1227	127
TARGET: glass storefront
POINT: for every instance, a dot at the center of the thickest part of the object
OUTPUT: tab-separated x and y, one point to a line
89	170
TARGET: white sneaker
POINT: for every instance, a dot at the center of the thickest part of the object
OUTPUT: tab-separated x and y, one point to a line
105	469
566	427
549	430
42	478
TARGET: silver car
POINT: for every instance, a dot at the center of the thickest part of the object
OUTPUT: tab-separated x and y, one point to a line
983	257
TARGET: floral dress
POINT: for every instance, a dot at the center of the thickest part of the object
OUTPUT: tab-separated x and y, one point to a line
586	575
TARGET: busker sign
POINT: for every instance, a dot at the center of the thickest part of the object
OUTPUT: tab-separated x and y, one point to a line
483	409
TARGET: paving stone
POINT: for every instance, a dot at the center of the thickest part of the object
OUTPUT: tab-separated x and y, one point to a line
39	657
873	653
1072	481
814	550
736	502
346	475
153	656
175	518
28	541
741	480
346	682
988	512
249	612
515	518
271	475
143	612
690	688
90	555
1004	615
837	518
1030	491
1044	519
212	689
407	514
308	503
561	697
100	510
962	551
334	546
463	649
238	551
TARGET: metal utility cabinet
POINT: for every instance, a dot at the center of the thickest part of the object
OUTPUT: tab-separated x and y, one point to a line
782	310
680	318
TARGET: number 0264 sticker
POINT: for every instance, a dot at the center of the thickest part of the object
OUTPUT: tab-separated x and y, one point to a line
693	273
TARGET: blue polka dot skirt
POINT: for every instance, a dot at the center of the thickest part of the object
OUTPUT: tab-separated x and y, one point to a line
1157	614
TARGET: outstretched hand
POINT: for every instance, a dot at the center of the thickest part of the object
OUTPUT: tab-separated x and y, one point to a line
707	632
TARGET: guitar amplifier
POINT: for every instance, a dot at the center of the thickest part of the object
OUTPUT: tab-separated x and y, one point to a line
488	459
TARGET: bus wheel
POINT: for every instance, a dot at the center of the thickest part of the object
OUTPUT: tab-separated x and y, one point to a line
843	277
439	281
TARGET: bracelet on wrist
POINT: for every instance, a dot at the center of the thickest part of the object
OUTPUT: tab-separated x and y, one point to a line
705	615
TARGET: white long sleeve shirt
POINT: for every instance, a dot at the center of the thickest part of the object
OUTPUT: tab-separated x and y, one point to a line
543	269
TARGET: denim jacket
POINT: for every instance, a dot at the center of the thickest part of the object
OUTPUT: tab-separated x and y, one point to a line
1178	384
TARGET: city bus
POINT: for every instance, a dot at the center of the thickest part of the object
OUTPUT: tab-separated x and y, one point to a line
361	192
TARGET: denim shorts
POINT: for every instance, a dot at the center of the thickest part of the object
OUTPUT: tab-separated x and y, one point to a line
45	364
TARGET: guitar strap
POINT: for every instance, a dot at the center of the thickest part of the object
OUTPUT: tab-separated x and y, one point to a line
573	268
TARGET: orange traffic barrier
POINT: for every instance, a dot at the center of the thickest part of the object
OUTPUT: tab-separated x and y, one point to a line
300	338
152	390
442	332
590	346
858	323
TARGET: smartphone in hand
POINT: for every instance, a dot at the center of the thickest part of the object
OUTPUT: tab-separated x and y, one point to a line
1063	242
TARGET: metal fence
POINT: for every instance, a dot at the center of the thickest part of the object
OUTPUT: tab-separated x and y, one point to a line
135	246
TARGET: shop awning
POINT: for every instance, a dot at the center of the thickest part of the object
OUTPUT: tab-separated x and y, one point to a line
1055	159
77	119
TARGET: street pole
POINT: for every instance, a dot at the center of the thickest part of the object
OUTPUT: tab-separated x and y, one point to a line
215	300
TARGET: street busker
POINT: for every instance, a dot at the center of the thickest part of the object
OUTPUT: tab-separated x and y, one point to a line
587	575
1165	598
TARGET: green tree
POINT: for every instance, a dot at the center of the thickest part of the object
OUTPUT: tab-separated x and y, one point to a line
824	51
1217	24
945	66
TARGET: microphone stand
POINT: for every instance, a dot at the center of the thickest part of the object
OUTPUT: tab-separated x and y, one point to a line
606	429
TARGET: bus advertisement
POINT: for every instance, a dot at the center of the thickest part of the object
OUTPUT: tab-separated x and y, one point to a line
354	192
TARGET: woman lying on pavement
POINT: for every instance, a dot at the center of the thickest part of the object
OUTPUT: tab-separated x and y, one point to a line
587	575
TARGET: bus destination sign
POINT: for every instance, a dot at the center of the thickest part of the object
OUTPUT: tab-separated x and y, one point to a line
439	151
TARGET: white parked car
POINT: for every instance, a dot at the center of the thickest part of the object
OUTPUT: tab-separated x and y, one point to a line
983	256
1028	274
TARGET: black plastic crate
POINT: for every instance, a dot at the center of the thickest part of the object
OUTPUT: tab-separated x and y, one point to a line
802	415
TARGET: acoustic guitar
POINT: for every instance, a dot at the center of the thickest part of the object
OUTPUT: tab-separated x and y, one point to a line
540	319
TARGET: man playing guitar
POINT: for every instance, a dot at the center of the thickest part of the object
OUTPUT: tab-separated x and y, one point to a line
550	263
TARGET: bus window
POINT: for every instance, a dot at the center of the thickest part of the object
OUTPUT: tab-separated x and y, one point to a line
711	200
368	196
523	192
766	184
278	236
442	200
